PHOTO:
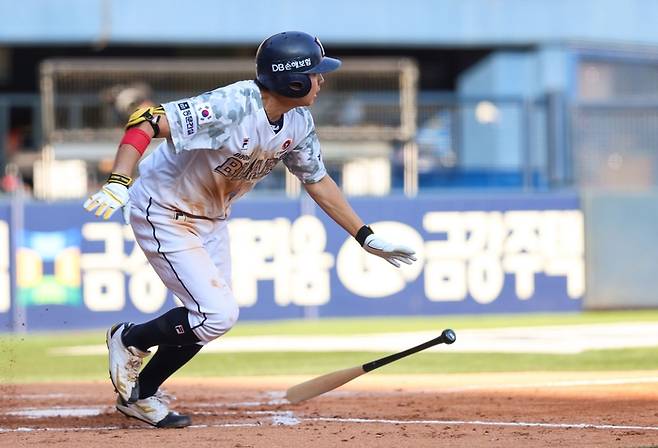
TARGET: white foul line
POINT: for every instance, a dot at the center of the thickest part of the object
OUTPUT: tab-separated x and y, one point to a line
482	423
287	418
108	428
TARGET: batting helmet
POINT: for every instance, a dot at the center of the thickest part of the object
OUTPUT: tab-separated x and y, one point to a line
283	62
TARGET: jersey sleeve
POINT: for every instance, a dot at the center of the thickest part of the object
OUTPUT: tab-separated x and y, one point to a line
203	121
305	159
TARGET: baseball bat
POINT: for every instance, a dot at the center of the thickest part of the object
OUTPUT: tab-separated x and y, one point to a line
330	381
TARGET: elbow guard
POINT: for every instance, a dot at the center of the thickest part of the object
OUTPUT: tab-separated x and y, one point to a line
151	115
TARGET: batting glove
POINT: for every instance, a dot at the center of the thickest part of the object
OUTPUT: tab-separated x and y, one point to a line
113	195
377	246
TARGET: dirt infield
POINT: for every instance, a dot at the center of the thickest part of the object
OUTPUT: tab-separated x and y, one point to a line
503	410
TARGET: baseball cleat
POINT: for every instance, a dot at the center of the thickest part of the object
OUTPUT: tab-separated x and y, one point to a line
154	411
125	363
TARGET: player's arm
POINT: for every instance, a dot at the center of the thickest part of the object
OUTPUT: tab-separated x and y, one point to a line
143	125
329	197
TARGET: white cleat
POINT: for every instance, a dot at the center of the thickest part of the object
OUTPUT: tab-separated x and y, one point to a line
154	411
125	363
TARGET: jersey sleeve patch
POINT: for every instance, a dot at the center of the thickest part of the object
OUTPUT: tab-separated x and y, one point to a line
205	113
187	118
204	121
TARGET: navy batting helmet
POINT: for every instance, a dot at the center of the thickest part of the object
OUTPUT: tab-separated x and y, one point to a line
283	62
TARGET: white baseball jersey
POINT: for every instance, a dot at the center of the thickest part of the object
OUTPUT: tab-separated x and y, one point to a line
221	144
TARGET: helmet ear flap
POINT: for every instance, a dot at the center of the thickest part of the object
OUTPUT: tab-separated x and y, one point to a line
291	85
298	85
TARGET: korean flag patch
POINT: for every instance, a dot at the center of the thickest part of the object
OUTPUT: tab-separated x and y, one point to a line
205	113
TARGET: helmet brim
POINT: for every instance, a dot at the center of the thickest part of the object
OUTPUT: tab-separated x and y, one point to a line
325	65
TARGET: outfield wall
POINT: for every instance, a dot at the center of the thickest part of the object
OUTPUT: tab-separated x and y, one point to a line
477	254
622	246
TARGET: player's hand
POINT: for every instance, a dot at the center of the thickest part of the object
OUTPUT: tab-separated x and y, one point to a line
110	197
392	253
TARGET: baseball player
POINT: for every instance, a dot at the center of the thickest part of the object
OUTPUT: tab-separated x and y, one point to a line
217	146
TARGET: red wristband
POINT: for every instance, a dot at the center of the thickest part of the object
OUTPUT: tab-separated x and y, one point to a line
136	138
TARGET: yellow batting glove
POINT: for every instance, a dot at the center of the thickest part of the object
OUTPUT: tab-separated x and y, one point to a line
112	196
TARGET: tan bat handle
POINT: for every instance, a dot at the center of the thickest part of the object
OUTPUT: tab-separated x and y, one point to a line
322	384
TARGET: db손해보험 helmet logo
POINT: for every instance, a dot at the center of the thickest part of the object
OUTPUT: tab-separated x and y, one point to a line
290	65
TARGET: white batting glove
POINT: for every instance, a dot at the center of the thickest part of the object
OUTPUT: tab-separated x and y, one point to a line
392	253
112	196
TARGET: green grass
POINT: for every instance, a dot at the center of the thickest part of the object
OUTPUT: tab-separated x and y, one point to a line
396	324
302	363
25	358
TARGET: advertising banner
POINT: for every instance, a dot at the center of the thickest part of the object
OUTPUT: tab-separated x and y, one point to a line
476	254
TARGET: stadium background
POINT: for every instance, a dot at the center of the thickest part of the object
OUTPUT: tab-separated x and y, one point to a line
543	127
511	143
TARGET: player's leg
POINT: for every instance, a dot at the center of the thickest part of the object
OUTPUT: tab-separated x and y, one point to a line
150	404
155	229
176	342
214	311
170	328
164	363
170	358
129	344
209	311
